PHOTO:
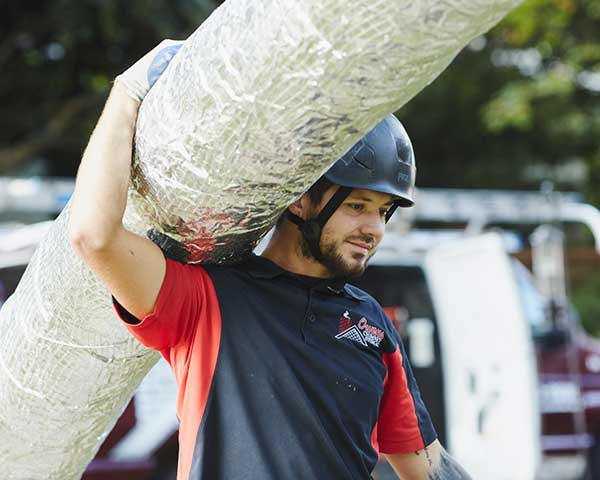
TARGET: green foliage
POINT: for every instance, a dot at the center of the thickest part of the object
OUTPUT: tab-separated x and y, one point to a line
526	95
538	21
586	301
515	99
58	60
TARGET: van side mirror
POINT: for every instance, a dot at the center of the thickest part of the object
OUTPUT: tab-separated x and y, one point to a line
553	339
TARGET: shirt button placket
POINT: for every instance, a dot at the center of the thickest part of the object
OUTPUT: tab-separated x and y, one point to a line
309	316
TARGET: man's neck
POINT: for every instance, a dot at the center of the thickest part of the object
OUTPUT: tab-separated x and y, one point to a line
284	250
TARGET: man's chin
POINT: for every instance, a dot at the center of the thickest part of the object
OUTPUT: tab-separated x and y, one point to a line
346	264
355	267
356	273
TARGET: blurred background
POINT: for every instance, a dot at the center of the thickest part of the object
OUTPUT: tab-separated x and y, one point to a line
518	109
518	106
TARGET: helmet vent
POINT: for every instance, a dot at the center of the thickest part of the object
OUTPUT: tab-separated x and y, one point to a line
403	150
365	156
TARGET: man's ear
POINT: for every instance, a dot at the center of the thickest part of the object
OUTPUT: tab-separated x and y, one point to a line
296	208
300	207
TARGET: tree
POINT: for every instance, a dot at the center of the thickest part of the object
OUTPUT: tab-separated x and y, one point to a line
519	104
521	98
59	59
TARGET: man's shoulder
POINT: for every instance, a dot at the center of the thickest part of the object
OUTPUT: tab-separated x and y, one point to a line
239	271
368	302
374	318
371	304
363	296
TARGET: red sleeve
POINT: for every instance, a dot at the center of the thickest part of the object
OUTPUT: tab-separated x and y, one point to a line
177	308
404	424
187	303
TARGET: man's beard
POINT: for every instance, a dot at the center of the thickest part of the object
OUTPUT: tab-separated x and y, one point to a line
332	259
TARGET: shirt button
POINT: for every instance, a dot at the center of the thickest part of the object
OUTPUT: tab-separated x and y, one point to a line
312	318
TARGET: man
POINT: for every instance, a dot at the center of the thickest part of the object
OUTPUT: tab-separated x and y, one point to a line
284	371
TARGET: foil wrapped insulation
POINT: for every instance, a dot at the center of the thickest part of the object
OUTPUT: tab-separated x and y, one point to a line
263	97
266	95
67	366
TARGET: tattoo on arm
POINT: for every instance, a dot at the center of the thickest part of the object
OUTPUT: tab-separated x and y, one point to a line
427	456
448	469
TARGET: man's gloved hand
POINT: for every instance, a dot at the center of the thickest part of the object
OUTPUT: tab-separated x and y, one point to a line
140	77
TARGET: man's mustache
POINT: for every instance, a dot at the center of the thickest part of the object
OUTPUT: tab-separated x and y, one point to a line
363	239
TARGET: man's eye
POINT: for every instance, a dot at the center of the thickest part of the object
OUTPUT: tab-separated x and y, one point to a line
356	206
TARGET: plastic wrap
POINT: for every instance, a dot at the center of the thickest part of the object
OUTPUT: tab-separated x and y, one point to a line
257	104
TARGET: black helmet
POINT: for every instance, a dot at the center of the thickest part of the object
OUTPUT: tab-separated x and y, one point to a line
382	161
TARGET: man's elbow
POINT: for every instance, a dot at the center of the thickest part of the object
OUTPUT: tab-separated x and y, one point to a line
88	242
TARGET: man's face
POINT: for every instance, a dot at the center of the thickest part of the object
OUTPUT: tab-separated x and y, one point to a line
353	232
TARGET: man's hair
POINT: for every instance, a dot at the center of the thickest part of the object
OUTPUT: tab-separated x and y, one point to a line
318	189
315	193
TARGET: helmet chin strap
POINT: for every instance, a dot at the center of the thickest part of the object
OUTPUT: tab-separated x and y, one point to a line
311	229
391	211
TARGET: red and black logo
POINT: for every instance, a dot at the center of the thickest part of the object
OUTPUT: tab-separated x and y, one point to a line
362	332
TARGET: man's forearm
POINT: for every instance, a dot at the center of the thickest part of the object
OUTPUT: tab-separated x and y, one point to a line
447	469
431	463
100	195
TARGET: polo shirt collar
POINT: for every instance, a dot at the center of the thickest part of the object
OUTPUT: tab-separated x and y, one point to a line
261	267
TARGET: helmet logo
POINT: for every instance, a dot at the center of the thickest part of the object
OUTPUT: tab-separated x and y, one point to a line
405	173
403	177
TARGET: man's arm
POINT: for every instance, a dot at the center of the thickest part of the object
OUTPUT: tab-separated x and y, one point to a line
131	266
431	463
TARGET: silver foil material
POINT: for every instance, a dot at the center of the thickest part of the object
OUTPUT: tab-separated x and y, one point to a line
267	94
67	365
255	107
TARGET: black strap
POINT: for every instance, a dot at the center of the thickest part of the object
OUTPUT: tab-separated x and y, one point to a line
294	218
325	214
311	229
391	211
333	204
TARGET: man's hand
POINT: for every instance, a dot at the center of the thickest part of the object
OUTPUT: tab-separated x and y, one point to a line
431	463
139	78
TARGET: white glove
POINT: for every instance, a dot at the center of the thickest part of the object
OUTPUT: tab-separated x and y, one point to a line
140	77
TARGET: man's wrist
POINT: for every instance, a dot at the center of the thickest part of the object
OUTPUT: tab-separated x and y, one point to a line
127	105
120	89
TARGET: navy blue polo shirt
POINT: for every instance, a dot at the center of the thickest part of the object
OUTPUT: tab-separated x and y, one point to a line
281	376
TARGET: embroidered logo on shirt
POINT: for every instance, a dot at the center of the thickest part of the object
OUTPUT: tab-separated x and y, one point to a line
362	332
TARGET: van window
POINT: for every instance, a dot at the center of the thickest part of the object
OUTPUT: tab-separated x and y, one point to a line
532	301
399	287
9	279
